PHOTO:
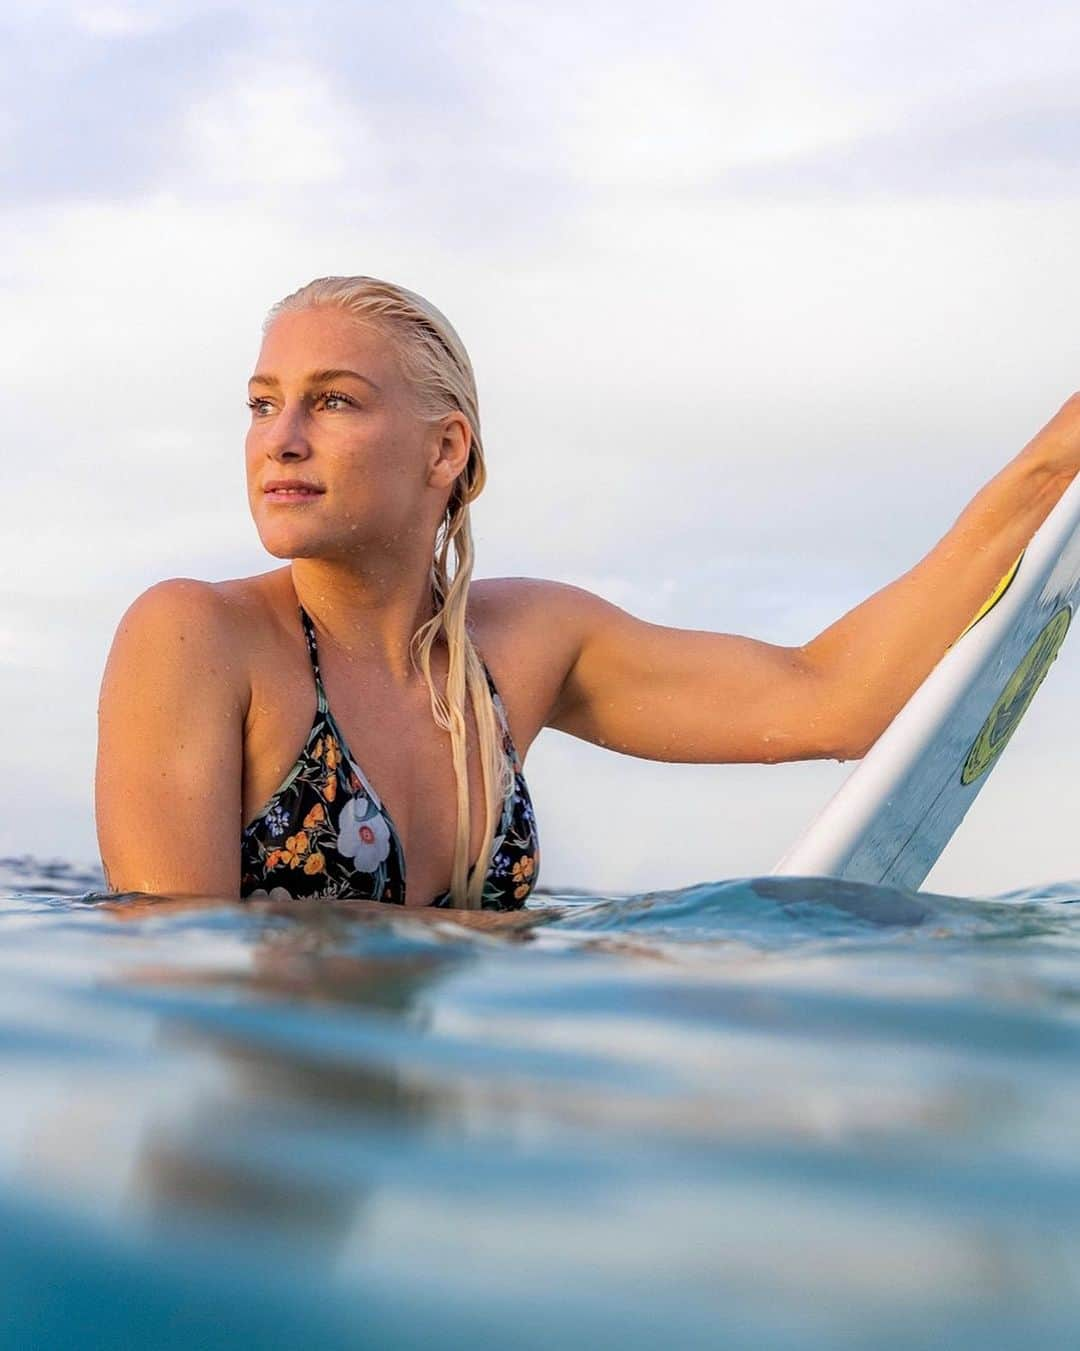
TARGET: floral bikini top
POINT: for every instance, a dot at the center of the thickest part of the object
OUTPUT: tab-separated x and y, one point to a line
326	833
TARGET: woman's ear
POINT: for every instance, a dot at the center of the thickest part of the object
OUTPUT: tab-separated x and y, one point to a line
453	444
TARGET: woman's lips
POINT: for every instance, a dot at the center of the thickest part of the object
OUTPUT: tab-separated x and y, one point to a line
291	495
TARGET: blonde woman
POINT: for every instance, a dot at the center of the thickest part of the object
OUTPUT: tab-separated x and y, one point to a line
354	723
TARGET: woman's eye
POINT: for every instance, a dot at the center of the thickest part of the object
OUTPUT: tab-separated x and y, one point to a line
327	396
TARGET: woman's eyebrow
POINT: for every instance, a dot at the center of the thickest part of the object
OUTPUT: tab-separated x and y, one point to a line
315	378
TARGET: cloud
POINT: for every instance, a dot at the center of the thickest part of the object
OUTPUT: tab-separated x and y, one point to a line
113	103
277	128
96	108
1009	142
118	20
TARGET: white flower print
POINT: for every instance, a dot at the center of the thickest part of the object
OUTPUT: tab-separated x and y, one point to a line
366	840
274	894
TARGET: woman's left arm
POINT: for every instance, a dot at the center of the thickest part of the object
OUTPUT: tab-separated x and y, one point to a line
879	653
690	696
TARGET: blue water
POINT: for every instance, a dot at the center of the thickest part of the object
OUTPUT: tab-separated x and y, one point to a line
766	1113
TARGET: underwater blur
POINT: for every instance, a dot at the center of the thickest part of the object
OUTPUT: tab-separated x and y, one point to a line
771	1112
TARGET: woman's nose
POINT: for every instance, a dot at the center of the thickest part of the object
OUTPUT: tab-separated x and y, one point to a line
288	436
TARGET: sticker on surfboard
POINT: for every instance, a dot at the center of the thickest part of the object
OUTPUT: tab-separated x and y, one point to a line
1014	699
901	804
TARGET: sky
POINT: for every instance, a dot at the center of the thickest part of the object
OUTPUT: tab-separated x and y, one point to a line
757	297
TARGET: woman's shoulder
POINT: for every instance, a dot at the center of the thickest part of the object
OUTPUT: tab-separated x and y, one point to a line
538	613
180	602
171	659
530	630
221	610
189	621
533	597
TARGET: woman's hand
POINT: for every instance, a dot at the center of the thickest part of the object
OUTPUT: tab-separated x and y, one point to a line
1056	448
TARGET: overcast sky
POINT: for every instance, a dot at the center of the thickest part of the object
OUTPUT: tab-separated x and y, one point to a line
757	298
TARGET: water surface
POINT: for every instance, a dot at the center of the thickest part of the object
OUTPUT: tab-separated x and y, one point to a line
758	1112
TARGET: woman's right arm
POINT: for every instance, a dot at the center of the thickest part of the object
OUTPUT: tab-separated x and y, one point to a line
168	803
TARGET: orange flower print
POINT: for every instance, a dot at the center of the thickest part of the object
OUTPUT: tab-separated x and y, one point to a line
316	862
317	752
333	753
296	846
522	871
317	814
275	858
330	788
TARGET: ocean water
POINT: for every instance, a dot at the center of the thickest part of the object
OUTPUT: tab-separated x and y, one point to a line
763	1112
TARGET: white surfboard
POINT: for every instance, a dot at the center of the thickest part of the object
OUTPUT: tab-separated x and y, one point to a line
898	809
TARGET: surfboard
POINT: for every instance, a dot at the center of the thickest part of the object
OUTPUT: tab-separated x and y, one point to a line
895	813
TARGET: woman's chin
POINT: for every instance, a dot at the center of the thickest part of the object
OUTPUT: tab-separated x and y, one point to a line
289	544
295	540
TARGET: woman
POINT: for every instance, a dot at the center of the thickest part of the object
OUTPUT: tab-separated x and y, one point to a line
244	725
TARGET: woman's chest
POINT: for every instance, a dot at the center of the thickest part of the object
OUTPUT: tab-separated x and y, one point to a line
376	762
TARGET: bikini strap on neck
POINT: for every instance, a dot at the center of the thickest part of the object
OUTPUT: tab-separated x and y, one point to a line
313	653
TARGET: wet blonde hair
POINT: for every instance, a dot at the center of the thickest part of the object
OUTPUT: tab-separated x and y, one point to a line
439	375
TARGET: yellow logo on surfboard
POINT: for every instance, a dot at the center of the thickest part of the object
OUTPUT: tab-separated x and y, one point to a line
1014	698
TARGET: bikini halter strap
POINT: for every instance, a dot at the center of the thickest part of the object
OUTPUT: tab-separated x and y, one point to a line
313	653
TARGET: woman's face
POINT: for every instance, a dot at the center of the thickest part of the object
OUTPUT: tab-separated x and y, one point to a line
352	436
